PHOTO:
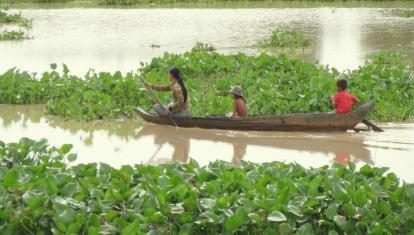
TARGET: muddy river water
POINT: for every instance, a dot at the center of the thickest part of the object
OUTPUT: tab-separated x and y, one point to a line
118	39
133	142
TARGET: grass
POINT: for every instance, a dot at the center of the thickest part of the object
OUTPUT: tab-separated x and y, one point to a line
281	38
42	194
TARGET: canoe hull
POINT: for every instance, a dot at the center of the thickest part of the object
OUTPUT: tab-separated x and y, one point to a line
302	122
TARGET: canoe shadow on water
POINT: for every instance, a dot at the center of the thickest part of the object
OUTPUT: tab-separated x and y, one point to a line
341	145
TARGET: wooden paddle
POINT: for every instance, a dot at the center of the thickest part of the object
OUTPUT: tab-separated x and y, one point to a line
159	102
370	124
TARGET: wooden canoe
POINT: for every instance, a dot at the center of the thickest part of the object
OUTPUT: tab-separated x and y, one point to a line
297	122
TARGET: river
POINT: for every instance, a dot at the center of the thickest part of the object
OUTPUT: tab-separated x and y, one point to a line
133	142
118	39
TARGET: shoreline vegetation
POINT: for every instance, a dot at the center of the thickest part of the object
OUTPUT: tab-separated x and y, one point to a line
42	193
201	4
273	85
14	19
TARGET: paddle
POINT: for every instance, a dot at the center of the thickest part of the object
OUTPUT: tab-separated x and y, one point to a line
370	124
159	102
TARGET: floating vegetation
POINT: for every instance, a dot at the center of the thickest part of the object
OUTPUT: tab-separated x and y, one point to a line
281	38
15	19
13	35
42	194
273	84
405	13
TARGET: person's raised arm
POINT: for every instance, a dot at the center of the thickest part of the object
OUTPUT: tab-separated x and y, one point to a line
159	87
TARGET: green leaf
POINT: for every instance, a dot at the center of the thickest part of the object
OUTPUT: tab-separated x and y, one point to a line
66	216
276	216
207	203
53	66
131	228
285	229
340	221
294	210
72	157
306	229
64	149
332	232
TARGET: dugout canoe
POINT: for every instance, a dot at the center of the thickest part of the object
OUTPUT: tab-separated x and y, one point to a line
296	122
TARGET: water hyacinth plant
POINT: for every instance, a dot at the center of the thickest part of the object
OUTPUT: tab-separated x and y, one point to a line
18	19
406	13
42	194
273	84
281	38
13	35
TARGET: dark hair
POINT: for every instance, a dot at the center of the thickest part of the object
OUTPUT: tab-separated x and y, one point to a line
175	72
343	84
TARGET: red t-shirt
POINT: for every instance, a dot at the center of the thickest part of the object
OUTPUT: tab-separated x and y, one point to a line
343	102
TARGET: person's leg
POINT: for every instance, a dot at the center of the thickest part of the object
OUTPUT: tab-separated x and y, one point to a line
159	109
180	114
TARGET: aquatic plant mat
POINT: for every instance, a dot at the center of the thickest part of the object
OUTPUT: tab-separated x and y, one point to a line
41	193
14	19
281	38
272	85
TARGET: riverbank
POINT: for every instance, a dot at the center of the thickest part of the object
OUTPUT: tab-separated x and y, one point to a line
218	4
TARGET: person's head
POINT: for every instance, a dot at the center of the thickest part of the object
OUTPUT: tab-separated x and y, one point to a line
236	92
341	85
174	75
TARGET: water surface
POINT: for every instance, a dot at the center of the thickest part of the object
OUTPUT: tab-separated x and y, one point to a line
134	142
118	39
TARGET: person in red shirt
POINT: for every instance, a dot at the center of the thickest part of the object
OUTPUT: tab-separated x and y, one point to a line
343	101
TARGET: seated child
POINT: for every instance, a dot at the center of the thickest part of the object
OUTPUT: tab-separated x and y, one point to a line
343	101
239	104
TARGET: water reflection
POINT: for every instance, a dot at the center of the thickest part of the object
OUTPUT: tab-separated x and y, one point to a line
343	145
128	142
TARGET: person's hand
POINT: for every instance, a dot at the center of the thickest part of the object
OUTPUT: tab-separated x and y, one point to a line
167	111
146	84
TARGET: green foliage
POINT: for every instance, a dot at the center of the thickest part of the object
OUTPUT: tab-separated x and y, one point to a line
405	13
13	35
15	19
286	39
41	194
277	84
18	19
273	84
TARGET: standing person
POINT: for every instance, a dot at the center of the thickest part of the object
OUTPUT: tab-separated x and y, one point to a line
343	101
179	107
239	103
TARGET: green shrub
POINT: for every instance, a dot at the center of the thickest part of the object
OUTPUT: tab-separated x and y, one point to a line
42	194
